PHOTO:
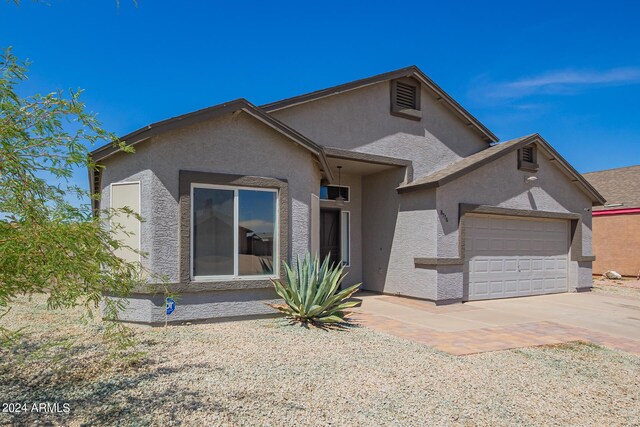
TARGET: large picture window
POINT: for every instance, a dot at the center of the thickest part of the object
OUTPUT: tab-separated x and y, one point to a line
233	232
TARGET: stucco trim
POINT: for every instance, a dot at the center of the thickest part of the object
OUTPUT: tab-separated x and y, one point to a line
466	208
574	218
409	297
186	178
434	262
338	153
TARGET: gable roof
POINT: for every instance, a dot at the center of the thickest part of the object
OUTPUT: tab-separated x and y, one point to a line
475	161
241	104
621	185
411	71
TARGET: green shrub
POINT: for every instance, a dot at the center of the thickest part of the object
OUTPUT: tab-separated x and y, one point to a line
309	292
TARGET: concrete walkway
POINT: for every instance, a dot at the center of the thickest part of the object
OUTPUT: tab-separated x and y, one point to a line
481	326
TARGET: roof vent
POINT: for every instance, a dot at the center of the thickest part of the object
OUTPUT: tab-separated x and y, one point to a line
405	98
528	158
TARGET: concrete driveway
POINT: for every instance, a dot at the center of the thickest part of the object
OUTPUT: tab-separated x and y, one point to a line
480	326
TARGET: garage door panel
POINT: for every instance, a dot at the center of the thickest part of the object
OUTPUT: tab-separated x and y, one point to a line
482	288
511	265
508	257
510	287
537	284
496	287
524	286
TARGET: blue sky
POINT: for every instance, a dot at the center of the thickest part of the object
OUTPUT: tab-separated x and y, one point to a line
568	70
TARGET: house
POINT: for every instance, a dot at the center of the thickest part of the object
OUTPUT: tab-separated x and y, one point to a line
389	174
616	225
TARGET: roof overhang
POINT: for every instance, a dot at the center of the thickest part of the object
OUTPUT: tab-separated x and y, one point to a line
147	132
475	161
154	129
363	164
411	71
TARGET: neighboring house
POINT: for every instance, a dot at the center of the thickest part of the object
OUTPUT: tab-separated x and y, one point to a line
616	225
429	206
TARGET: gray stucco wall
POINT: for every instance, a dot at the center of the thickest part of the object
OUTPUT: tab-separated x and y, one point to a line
501	184
398	228
395	229
354	206
360	120
233	144
200	306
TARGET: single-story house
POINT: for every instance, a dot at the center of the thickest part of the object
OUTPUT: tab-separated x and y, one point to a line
616	225
388	174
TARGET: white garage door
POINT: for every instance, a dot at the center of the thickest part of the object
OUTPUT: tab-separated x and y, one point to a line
512	257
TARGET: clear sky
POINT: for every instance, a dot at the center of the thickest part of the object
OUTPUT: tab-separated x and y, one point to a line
569	70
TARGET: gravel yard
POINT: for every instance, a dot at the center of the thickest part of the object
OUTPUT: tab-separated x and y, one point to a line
625	286
265	372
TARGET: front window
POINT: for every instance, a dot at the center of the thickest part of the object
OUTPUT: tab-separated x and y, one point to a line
332	192
234	232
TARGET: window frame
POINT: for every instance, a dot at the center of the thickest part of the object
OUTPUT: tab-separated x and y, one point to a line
347	200
348	238
236	211
407	113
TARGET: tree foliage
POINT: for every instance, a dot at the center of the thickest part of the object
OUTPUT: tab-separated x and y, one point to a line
49	241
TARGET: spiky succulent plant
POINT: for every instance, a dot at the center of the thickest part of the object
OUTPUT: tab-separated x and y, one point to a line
309	292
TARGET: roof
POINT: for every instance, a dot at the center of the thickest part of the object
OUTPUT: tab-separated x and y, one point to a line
153	129
262	114
411	71
618	186
481	158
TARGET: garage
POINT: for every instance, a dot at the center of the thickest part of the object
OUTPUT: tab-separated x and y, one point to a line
513	256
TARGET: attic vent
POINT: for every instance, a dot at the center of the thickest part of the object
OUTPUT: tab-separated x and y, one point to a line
405	98
527	154
528	158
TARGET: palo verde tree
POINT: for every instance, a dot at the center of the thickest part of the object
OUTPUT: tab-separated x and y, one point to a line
48	242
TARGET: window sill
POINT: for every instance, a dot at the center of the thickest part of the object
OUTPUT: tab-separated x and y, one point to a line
191	287
406	113
223	285
214	279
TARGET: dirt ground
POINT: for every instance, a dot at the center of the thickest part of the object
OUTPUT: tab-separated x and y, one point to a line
626	286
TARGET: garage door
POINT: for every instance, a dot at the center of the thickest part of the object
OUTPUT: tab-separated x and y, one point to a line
512	257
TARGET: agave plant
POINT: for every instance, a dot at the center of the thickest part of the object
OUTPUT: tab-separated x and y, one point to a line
309	292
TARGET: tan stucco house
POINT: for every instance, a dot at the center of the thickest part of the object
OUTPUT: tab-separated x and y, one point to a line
616	225
389	175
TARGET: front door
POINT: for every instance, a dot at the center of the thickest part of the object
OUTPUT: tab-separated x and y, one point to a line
330	235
